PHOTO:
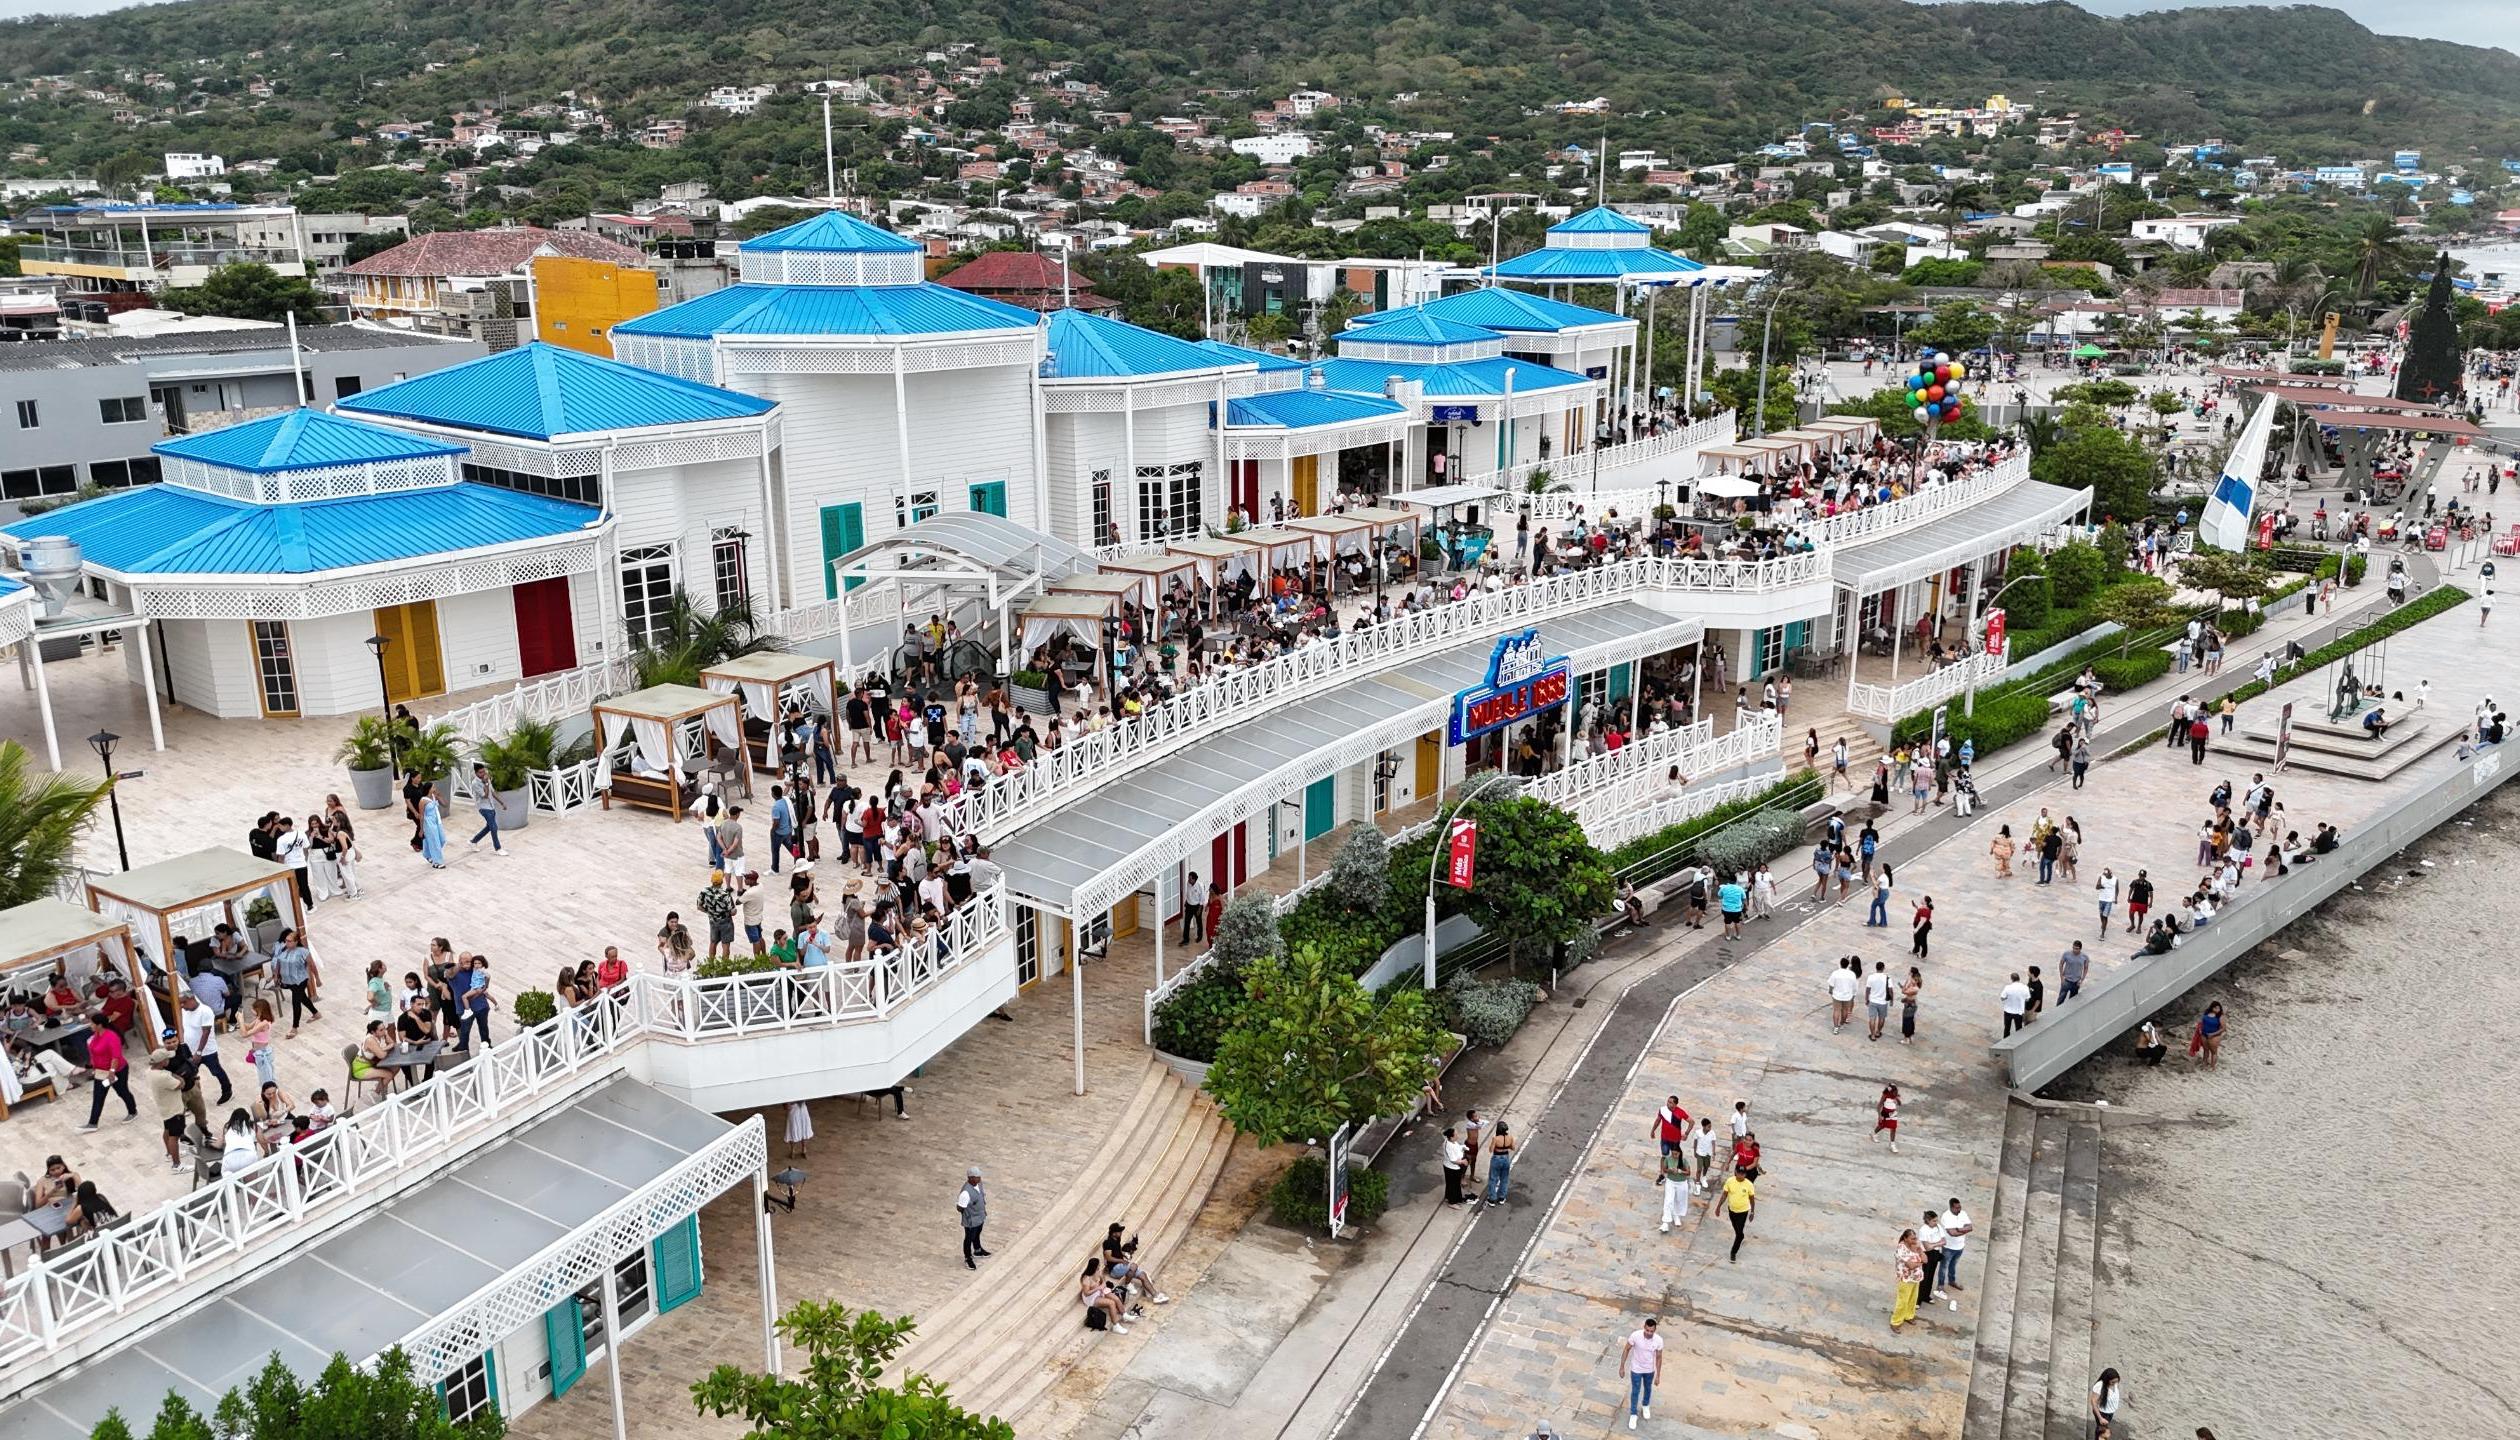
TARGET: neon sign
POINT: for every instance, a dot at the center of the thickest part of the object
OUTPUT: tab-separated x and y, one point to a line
1522	680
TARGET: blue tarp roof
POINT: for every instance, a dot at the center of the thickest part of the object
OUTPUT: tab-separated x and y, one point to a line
1554	263
539	391
170	530
1601	220
1461	377
883	310
1268	363
1496	307
301	439
1309	409
1416	326
832	233
1085	346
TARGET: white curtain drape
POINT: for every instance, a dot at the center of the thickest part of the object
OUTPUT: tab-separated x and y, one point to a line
10	1090
728	727
656	749
1038	631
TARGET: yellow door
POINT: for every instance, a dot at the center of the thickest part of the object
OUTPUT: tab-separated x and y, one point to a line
1124	917
1308	484
413	665
1430	765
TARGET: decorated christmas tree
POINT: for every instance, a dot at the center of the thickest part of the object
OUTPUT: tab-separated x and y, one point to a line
2431	371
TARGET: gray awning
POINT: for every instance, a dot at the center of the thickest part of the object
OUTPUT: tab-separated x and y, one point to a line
2021	513
365	1286
990	541
1122	835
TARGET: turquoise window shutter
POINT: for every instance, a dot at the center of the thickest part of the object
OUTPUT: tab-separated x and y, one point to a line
565	1327
675	1259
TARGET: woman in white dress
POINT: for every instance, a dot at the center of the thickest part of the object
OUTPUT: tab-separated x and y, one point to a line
800	1128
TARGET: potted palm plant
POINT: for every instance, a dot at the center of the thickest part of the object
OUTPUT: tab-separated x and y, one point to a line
432	753
508	763
369	752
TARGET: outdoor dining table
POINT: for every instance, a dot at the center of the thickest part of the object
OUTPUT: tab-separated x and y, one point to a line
409	1059
42	1223
48	1035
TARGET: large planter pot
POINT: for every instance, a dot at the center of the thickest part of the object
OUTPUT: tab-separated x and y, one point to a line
1032	701
514	812
373	789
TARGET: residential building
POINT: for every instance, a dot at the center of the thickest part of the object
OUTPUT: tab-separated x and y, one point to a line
110	246
1284	148
577	302
739	99
1027	278
184	166
468	282
2182	232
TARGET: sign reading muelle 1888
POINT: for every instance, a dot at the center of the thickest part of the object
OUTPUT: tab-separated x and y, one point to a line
1522	680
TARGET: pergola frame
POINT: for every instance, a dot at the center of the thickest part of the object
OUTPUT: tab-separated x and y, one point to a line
40	932
86	617
673	706
220	875
781	673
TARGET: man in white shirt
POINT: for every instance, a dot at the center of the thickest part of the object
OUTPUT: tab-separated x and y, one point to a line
1956	1228
1934	1238
1876	1000
199	1029
1194	898
1843	984
2016	1001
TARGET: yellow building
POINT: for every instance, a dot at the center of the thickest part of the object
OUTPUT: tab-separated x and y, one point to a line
577	302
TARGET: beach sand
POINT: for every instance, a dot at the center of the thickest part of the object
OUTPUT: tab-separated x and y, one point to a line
2318	1238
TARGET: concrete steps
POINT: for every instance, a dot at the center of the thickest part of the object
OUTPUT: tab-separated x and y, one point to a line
2036	1321
2343	750
1861	748
1005	1338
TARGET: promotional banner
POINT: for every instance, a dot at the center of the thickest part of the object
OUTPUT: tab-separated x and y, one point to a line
1461	853
2283	738
2225	523
1522	681
1994	632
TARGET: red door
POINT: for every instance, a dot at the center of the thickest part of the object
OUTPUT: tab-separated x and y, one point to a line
1219	852
546	636
1246	486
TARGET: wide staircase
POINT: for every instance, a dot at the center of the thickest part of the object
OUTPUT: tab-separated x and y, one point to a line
2037	1280
1861	748
2344	748
1008	1336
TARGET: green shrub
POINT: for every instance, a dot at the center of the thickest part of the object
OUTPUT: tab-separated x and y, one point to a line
533	1007
2355	565
2121	673
1648	858
259	910
1487	1012
1752	839
1581	950
2001	719
1360	875
742	962
2235	623
2074	574
1301	1196
1245	932
1352	943
2027	601
1192	1021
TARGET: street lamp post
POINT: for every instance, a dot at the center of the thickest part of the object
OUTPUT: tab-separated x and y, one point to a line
1968	702
102	742
1437	858
385	706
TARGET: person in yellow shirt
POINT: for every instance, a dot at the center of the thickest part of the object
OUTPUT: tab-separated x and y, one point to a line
1739	1202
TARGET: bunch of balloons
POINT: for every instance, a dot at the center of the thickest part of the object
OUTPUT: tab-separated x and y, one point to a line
1935	387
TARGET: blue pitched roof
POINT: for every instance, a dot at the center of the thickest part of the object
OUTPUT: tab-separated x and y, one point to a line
9	587
1460	377
301	439
171	530
1556	263
1601	220
1309	409
1269	364
1085	346
1495	307
880	310
539	391
1415	326
832	233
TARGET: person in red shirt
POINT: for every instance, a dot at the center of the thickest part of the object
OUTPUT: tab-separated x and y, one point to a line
1671	1126
1746	1156
120	1008
612	970
112	1071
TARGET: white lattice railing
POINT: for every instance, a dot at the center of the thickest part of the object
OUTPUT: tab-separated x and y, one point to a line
1610	831
1874	521
1232	696
552	697
1126	549
1892	702
1569	783
561	791
1585	468
378	1150
1625	777
867	605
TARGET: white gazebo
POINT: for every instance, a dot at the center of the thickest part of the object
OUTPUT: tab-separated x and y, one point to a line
768	681
654	742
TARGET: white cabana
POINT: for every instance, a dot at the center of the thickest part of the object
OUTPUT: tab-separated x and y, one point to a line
1727	487
1285	549
41	933
194	892
768	681
1335	535
1154	574
654	742
1221	559
1078	615
1854	431
1727	459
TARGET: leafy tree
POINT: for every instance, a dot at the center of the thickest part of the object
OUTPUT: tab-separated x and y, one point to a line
2027	599
2090	250
2431	372
1897	414
840	1394
1360	877
2109	394
687	640
1935	271
1540	881
373	242
2114	467
2164	403
41	821
1247	930
1738	390
1957	326
764	219
2378	250
249	290
1313	1050
2075	572
345	1402
2138	605
2225	575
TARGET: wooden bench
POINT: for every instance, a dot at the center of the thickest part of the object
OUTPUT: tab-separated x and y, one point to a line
40	1088
652	792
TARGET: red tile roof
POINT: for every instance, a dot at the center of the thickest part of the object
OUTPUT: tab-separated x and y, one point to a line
488	252
1011	270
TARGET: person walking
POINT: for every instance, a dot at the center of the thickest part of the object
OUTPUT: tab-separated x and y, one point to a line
2139	894
2106	1393
2081	760
1844	982
1671	1126
1454	1164
111	1070
1909	1262
1673	1174
1739	1200
2002	849
2104	892
486	805
2051	848
1921	927
1763	893
1702	1153
432	831
1500	1163
1876	1001
2073	965
1838	778
1886	1117
1194	898
1642	1356
1957	1227
1908	991
973	1203
2198	731
1881	887
2015	998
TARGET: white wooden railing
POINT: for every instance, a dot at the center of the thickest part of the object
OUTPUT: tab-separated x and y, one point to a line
572	787
551	697
1892	702
1609	831
1060	776
1874	521
1129	549
1583	468
873	604
1565	785
1599	789
374	1152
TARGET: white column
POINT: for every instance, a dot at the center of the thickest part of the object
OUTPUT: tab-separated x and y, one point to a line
1076	996
612	1351
148	687
1898	632
34	647
1041	457
1159	934
770	529
1128	451
1636	695
769	1275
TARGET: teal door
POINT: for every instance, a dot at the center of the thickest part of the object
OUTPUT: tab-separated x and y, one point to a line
1754	660
1622	680
565	1329
1320	803
843	530
1797	636
675	1261
989	497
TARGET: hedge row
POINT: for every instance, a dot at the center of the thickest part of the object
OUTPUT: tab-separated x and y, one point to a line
1652	856
2405	617
2121	673
1301	1196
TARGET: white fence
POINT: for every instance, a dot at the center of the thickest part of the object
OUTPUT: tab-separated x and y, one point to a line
564	790
1232	696
1628	787
1609	832
387	1146
552	697
1890	703
1586	471
1874	521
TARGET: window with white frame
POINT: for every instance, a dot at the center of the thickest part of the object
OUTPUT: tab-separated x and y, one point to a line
1168	500
729	580
647	588
911	506
467	1391
1386	765
1102	508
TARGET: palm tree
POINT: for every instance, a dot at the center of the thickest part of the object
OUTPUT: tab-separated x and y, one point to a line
2378	250
40	825
686	640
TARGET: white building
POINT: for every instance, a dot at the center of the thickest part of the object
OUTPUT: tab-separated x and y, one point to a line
740	99
1281	149
2182	232
185	166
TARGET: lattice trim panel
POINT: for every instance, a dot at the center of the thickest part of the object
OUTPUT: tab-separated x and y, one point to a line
1422	354
666	452
343	597
809	267
330	483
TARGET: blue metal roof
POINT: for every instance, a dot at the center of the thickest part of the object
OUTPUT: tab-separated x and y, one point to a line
9	587
301	439
1309	409
1269	364
832	232
170	530
1084	346
539	391
1559	263
1496	308
1415	326
1459	378
874	310
1601	220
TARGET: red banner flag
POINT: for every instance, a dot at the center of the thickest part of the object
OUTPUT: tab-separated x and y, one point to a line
1461	861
